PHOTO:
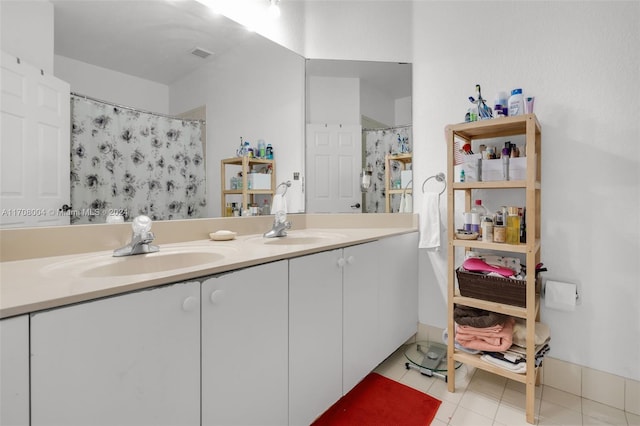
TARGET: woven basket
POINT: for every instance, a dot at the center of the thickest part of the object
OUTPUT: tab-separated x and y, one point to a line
491	288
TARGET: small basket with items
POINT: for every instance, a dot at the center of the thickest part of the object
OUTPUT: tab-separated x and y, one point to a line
496	279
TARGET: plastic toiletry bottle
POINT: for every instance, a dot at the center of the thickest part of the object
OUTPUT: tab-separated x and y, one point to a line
269	152
516	103
523	227
481	212
487	229
262	149
501	103
266	209
513	226
506	152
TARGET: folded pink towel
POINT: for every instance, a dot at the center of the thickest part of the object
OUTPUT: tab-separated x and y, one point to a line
486	340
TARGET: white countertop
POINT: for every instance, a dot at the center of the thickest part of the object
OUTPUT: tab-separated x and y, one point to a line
36	284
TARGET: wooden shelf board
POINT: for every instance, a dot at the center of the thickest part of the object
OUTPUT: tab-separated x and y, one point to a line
238	161
405	158
475	361
495	128
502	308
514	248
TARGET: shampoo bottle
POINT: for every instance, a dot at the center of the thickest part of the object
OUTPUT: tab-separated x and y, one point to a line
516	102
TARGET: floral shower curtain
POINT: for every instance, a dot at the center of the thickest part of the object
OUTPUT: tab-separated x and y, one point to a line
134	162
378	143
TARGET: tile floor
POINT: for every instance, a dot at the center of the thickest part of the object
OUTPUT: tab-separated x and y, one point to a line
482	398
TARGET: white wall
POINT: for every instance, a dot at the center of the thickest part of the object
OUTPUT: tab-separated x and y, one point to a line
26	31
403	111
112	86
255	91
358	30
581	60
376	104
333	100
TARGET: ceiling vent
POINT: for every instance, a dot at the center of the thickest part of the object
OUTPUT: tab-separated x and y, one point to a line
201	53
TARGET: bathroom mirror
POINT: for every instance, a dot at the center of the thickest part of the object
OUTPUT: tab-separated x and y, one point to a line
91	38
361	110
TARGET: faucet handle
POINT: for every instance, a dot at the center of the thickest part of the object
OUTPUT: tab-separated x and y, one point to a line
141	224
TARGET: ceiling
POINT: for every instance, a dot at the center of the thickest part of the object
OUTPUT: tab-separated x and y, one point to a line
149	39
153	39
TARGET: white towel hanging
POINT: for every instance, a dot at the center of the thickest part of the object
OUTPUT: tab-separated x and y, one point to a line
430	221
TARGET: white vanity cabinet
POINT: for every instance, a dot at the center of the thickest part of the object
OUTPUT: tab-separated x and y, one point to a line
14	370
398	257
315	335
380	292
132	359
348	310
362	351
244	346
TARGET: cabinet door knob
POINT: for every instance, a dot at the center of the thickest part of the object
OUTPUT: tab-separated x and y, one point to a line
190	304
216	296
341	262
351	260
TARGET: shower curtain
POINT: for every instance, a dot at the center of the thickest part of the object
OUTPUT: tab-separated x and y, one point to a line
133	162
378	143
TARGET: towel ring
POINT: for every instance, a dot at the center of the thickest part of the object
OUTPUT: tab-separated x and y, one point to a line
440	178
286	185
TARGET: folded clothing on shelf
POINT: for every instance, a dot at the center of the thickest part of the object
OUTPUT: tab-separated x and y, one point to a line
515	358
497	338
474	317
543	333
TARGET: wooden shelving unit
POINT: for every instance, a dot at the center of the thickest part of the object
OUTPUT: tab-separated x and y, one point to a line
528	126
404	160
246	165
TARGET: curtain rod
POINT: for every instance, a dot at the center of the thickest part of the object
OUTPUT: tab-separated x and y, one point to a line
388	128
78	95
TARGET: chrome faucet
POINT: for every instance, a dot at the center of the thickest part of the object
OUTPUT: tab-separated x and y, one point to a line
280	226
141	239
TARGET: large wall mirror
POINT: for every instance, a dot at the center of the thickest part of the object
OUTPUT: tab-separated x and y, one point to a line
357	112
149	56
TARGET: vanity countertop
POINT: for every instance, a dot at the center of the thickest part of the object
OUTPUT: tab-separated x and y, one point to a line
35	284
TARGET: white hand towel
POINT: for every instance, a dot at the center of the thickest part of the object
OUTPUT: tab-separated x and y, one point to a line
408	203
430	221
278	204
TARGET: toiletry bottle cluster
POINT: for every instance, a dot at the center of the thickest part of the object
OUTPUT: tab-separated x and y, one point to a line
262	150
490	152
504	105
507	225
234	210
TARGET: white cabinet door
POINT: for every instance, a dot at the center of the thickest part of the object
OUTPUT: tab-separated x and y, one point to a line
244	347
14	370
126	360
361	312
398	291
315	335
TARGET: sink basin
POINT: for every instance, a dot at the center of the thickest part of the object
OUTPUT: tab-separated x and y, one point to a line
149	263
105	265
300	238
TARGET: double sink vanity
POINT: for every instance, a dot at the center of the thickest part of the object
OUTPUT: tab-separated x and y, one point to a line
252	330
